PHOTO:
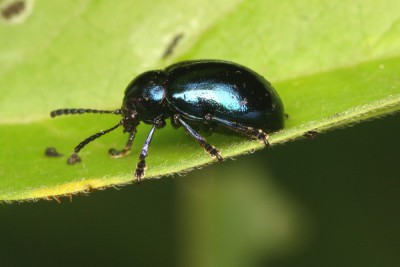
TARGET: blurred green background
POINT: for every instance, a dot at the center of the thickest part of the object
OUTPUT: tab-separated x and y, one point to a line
330	201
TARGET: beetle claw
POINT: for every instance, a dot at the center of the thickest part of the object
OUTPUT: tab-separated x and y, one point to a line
216	155
139	175
263	138
74	158
266	142
118	153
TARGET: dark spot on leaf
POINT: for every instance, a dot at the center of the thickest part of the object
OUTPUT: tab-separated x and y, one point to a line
52	152
13	9
172	45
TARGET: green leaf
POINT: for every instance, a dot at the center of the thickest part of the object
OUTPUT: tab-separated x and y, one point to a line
333	64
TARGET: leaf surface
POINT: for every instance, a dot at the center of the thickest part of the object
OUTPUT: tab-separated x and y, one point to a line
333	64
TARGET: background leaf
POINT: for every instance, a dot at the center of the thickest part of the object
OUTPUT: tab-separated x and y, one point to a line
329	73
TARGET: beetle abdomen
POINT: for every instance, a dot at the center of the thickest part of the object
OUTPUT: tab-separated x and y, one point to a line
224	90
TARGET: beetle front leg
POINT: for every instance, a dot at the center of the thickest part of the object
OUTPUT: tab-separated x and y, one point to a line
125	151
252	132
210	149
141	166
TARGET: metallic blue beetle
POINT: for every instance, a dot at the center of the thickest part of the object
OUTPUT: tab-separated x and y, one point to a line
202	96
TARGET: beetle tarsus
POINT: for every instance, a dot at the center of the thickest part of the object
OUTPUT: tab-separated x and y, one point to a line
73	159
118	153
122	153
140	168
263	138
213	151
266	142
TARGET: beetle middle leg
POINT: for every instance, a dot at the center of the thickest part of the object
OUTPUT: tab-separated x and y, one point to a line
252	132
210	149
125	151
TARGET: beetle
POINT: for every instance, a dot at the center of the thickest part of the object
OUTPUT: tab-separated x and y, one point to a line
202	96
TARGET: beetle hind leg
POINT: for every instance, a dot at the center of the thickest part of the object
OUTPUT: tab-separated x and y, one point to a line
125	151
251	132
210	149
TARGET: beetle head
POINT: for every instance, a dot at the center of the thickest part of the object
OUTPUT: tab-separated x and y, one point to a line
144	97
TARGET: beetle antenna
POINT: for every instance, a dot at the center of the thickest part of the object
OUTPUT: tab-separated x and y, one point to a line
72	111
94	137
74	157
